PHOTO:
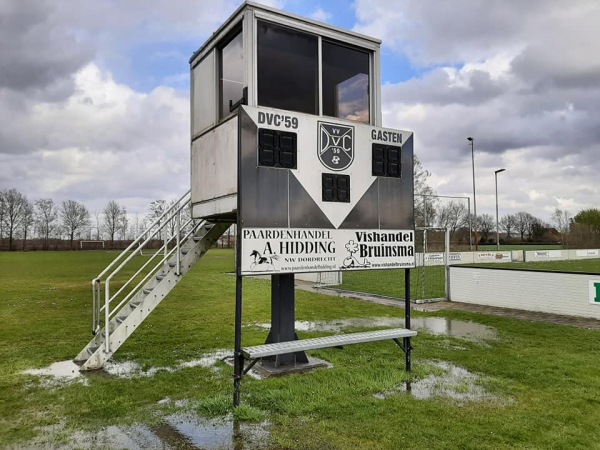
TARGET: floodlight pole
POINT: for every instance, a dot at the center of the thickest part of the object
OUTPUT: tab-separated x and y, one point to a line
496	172
470	139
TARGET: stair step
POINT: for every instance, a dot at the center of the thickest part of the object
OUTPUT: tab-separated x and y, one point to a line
135	304
172	264
160	277
121	319
92	350
147	291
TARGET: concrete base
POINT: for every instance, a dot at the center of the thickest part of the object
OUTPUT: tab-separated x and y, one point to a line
266	369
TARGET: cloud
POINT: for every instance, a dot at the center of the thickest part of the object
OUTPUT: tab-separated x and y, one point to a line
321	15
38	53
523	81
105	141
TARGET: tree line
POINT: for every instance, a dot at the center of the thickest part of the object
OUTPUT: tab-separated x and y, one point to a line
581	230
22	219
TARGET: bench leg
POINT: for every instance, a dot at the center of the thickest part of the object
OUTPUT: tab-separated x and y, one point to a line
406	348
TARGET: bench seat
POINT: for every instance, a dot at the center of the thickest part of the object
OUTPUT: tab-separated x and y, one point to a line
280	348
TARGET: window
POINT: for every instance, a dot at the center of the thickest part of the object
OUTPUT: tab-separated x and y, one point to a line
287	69
288	74
345	82
231	74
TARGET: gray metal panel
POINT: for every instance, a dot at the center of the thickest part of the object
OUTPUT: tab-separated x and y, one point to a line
304	212
213	164
204	95
364	214
263	191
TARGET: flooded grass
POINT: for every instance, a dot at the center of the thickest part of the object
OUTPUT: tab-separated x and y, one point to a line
478	381
177	432
439	326
453	383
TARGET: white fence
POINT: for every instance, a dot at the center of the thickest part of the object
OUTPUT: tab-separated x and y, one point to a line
507	256
557	255
573	294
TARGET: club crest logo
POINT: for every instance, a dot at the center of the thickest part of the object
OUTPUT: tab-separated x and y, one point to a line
336	145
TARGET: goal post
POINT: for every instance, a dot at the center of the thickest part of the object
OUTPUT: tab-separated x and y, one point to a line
91	245
432	259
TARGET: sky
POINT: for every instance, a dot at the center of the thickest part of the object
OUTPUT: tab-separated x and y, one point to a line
94	95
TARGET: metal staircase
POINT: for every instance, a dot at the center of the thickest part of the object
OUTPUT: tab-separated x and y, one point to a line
137	281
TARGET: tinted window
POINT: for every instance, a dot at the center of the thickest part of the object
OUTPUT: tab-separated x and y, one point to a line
232	73
287	69
345	82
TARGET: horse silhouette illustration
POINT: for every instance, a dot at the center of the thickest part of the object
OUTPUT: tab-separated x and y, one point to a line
263	263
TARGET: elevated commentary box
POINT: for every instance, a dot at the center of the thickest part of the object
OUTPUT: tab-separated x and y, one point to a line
287	143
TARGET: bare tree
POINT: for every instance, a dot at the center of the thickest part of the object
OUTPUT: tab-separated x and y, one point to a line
508	223
562	220
113	219
2	212
522	223
46	214
157	208
123	225
27	221
424	196
535	228
74	216
98	223
452	215
14	204
485	224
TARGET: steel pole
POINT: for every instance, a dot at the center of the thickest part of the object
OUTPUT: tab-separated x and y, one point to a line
496	172
497	232
471	140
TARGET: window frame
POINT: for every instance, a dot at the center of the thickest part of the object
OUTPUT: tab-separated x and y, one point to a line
236	31
321	37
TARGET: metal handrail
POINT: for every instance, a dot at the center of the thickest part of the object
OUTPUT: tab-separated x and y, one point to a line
161	224
139	238
164	259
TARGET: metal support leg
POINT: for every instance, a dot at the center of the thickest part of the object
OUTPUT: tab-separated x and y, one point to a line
238	362
407	346
283	318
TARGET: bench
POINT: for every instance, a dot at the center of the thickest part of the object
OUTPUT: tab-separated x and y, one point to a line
280	348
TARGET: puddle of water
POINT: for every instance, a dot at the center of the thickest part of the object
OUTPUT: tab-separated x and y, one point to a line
439	326
64	372
61	372
455	383
179	431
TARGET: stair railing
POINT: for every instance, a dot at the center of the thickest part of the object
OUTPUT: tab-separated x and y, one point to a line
160	225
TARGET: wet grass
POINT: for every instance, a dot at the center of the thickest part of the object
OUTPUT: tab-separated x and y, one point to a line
543	376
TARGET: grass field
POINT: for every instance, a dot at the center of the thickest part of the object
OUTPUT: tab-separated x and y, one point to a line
533	386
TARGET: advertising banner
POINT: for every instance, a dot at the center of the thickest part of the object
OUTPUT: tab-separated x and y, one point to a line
272	250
